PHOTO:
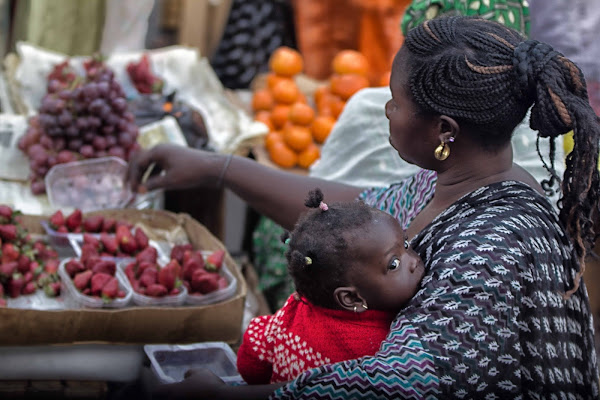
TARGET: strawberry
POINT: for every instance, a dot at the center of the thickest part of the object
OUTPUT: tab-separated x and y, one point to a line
52	289
7	269
148	277
82	279
178	250
110	243
28	276
73	221
37	269
156	290
191	265
169	274
99	281
73	267
5	214
108	225
47	253
125	239
141	239
174	291
93	223
10	252
149	254
88	251
8	233
62	229
57	220
23	262
130	271
215	260
91	262
51	266
105	266
15	285
121	294
29	288
204	283
111	288
2	302
90	239
142	266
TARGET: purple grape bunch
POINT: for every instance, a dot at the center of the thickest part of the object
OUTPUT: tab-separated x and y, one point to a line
78	118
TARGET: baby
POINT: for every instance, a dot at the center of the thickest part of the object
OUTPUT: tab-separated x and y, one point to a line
353	271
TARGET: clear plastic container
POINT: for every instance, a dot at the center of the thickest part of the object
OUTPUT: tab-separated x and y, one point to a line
93	184
149	301
171	362
73	298
217	295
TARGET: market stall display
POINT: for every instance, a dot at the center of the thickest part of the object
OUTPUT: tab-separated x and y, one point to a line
88	283
298	120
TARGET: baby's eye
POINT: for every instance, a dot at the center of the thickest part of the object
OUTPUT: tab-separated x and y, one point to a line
395	264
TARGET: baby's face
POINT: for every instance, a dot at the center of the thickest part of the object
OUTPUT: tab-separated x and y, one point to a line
387	275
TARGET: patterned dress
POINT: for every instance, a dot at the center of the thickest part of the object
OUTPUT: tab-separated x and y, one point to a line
489	321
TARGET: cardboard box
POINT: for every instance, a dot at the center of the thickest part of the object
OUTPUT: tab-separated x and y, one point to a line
221	321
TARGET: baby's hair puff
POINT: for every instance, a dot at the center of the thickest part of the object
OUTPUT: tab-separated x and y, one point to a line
321	250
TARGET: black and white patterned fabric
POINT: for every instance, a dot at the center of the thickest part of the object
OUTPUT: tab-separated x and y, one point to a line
254	29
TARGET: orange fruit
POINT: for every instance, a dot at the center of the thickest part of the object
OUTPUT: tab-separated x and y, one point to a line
347	84
286	61
273	79
286	92
384	80
320	93
262	99
265	118
273	137
282	155
321	127
297	137
309	155
350	62
302	98
336	106
301	114
279	115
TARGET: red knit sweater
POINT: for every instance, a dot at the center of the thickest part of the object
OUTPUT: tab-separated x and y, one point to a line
301	336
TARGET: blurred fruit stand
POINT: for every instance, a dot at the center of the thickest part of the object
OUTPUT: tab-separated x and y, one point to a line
90	109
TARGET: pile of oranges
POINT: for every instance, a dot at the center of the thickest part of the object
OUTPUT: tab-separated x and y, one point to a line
296	128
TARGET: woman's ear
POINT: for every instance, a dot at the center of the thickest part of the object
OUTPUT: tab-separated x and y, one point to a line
348	298
449	129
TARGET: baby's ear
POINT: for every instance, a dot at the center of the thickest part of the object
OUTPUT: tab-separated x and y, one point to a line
348	298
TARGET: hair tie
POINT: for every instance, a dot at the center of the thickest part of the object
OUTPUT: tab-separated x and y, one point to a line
308	260
323	206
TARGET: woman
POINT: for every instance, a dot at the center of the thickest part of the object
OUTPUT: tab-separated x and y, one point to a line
502	311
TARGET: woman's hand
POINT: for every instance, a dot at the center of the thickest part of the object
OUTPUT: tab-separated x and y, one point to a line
175	167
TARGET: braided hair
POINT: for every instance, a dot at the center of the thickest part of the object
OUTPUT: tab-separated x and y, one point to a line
486	76
321	250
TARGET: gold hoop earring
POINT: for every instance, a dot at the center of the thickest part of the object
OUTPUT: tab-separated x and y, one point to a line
442	151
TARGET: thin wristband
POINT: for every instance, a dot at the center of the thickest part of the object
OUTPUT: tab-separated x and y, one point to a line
224	170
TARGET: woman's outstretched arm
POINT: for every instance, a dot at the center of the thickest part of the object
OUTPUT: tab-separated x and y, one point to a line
275	193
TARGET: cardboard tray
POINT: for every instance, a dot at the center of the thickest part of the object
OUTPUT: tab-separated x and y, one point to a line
142	325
